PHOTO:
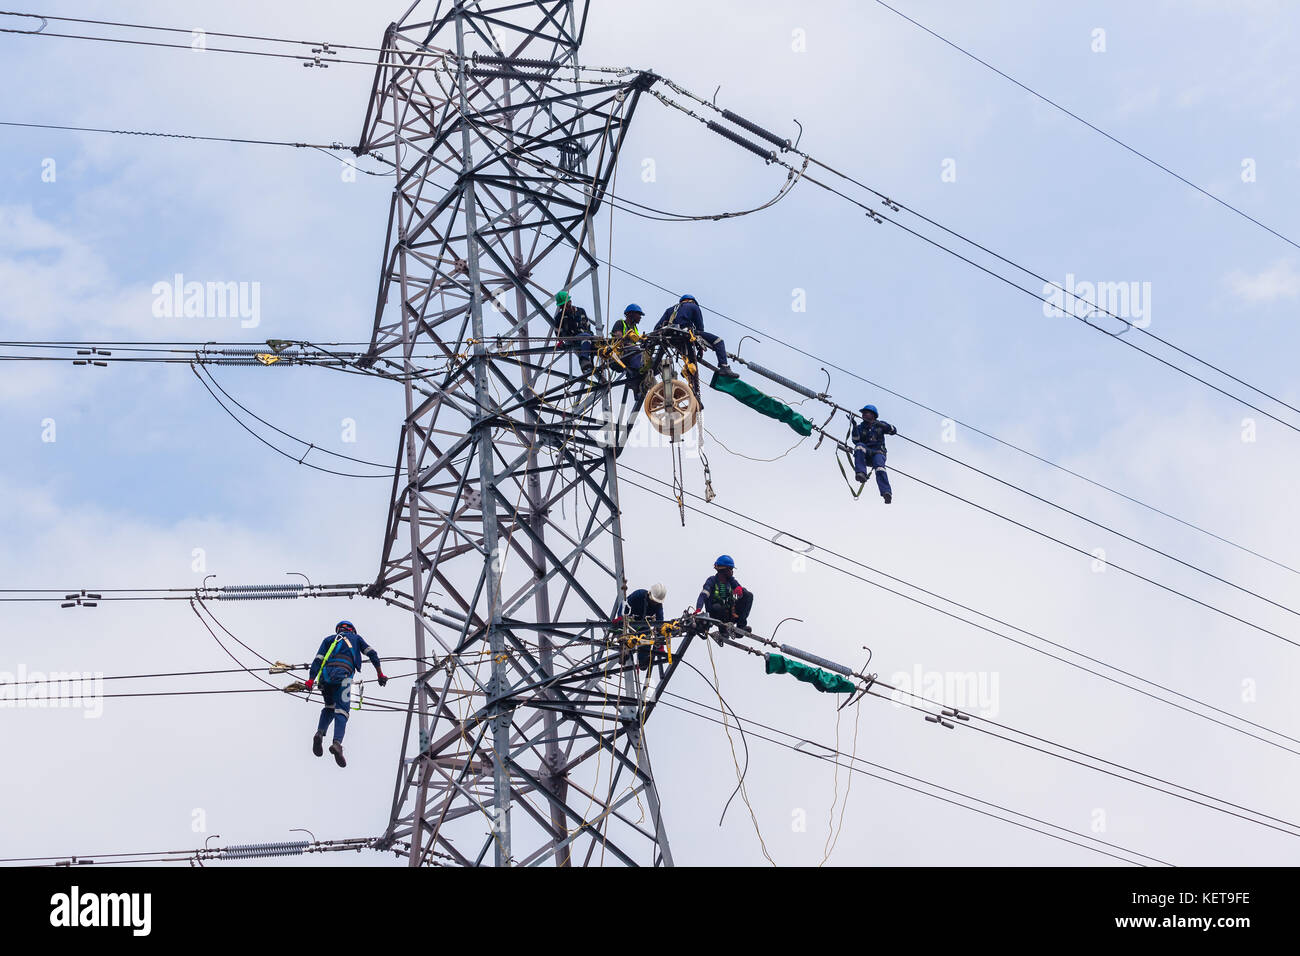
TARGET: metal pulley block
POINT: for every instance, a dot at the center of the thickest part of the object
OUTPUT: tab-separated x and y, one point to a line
672	410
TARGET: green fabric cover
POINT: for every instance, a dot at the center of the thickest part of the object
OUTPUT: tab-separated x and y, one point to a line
824	681
771	407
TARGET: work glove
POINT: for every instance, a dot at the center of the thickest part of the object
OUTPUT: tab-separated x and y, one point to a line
382	679
309	684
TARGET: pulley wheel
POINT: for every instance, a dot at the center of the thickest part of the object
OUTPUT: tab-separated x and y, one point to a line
672	412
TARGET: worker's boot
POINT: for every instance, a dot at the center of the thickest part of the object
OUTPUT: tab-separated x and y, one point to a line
889	499
336	749
728	371
316	744
861	476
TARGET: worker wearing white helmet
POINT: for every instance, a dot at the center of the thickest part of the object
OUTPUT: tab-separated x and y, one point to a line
645	611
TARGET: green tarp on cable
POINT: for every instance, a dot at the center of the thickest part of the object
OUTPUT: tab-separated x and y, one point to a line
764	404
824	681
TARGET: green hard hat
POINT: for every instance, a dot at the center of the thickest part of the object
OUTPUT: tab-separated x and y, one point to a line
561	298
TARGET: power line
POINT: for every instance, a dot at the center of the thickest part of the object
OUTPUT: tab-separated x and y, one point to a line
1110	564
1168	588
818	358
161	29
1001	441
877	216
950	711
1080	757
1096	129
1097	524
278	450
190	136
247	851
977	625
834	754
1027	527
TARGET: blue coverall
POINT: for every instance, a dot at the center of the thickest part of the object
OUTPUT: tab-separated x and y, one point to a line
687	315
643	612
641	609
725	600
869	451
336	682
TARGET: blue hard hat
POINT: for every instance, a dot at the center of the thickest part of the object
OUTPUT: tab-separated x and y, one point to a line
633	308
724	561
871	409
344	626
687	295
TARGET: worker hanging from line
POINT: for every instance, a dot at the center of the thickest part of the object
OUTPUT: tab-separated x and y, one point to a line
722	597
626	338
869	450
686	314
644	614
336	663
575	331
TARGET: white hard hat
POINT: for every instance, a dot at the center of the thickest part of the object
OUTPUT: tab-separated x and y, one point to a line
658	593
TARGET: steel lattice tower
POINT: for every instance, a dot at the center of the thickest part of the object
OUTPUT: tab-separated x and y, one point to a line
503	534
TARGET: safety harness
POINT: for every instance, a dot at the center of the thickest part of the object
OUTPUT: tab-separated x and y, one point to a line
849	442
326	659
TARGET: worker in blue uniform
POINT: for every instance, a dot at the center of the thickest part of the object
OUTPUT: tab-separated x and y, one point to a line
722	598
869	450
644	614
335	664
575	331
686	314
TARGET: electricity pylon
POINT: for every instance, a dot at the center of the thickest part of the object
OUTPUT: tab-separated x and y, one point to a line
525	732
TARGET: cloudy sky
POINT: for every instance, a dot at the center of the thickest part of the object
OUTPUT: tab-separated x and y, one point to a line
144	470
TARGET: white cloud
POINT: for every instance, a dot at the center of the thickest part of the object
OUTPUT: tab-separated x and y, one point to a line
1278	281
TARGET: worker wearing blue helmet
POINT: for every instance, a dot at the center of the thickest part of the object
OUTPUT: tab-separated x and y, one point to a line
869	450
686	314
335	664
626	336
722	597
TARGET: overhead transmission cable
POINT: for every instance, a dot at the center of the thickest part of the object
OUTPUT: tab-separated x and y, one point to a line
902	397
709	513
967	608
833	756
770	156
1096	129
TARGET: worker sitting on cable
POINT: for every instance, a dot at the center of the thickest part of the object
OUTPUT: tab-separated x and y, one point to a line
686	314
869	449
574	330
336	663
644	614
722	598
